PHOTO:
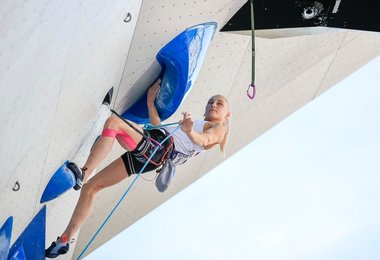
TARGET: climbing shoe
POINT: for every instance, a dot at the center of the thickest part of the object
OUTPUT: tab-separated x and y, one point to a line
57	248
78	174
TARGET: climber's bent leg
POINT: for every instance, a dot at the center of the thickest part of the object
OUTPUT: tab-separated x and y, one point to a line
127	139
113	128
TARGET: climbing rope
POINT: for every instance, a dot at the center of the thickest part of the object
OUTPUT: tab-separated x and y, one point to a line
149	126
134	180
251	91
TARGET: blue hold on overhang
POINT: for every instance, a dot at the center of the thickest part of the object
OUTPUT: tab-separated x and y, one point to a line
181	60
63	180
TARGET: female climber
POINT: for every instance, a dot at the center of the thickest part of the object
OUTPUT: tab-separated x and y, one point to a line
193	137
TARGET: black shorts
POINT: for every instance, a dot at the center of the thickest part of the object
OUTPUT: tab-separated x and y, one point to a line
136	159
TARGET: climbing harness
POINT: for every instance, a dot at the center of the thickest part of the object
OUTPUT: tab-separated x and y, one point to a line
164	156
251	91
134	180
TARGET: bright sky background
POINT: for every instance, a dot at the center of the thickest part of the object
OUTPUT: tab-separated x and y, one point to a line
309	188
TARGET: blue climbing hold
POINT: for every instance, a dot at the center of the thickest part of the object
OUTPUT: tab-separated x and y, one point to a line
181	60
31	242
19	254
63	180
5	237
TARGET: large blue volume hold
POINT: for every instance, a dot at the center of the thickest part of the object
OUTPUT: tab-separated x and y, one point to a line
5	238
63	180
31	242
181	60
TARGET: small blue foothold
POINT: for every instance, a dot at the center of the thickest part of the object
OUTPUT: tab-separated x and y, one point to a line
63	180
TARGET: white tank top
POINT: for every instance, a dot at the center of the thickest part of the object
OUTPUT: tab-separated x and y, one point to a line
184	148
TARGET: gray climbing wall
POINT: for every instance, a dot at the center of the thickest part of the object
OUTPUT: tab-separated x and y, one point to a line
59	59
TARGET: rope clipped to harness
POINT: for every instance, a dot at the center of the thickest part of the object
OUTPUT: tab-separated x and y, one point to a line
251	91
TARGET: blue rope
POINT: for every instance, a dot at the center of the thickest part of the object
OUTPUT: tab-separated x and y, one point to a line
129	188
149	126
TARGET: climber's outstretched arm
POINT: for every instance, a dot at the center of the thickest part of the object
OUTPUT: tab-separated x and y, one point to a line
152	94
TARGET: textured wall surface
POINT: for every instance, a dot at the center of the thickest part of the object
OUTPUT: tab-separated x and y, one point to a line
59	59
